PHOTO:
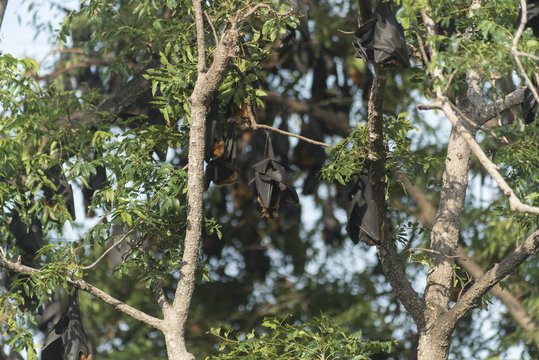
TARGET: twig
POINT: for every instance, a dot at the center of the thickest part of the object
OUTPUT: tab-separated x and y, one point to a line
523	54
3	253
108	250
271	128
421	45
515	52
464	117
212	27
255	125
404	252
255	8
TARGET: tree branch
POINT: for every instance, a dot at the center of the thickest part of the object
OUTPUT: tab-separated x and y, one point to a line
206	85
496	274
514	307
98	293
490	167
427	217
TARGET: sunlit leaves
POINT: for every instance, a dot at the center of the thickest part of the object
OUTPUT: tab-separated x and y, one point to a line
318	339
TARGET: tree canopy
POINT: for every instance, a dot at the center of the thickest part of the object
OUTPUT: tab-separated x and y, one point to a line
272	179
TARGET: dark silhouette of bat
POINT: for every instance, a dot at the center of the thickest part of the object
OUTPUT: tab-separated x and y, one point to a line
381	39
362	211
62	187
222	149
28	238
529	105
67	339
271	182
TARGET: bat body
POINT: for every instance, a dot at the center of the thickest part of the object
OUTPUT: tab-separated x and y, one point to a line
67	339
221	154
363	215
271	182
28	238
381	39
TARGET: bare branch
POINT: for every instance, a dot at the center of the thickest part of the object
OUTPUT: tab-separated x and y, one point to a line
215	37
91	266
427	217
282	132
515	308
411	250
98	293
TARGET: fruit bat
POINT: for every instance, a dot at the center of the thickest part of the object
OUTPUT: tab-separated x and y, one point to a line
223	151
57	177
28	238
529	106
67	339
362	210
271	182
381	39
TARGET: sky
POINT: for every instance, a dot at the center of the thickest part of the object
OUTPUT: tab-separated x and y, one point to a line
18	37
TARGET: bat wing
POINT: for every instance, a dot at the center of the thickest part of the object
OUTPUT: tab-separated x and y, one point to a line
362	210
278	173
364	40
263	182
67	340
389	41
74	337
28	238
529	106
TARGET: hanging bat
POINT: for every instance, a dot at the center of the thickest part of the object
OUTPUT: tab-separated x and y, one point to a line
221	168
62	187
529	106
381	39
271	182
67	339
363	215
28	238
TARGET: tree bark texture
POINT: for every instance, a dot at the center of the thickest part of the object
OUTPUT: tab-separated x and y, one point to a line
206	85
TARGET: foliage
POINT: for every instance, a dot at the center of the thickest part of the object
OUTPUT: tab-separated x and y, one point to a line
250	268
317	339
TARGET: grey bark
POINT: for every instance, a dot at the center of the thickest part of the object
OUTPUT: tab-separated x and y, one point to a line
206	85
